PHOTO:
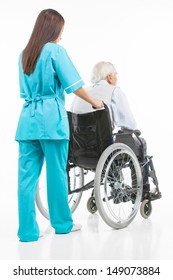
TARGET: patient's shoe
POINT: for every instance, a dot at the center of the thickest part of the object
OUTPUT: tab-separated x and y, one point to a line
76	227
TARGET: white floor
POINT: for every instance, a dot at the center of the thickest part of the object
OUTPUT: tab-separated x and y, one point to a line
150	239
149	89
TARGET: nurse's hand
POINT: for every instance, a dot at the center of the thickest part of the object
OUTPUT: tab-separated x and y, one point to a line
97	104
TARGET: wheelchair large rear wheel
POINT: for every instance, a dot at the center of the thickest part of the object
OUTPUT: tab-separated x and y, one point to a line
118	185
76	180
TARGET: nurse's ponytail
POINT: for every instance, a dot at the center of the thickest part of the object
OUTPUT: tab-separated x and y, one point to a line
47	28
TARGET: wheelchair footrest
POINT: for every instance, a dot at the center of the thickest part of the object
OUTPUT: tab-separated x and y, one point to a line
156	195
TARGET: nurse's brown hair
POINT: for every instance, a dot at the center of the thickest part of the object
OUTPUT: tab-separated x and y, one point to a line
47	28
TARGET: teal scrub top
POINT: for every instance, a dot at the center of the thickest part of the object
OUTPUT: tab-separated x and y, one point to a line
43	115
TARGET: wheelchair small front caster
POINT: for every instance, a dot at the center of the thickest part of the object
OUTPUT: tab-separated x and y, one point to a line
146	208
91	205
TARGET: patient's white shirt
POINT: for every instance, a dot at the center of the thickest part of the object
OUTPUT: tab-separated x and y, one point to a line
116	100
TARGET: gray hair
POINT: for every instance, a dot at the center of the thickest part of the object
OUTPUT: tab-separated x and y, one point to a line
101	70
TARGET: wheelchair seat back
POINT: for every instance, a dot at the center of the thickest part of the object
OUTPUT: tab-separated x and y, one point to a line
90	135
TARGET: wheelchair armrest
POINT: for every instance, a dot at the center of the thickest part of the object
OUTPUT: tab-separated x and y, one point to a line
137	132
129	131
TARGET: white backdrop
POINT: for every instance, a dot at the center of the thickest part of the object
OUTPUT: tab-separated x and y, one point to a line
135	35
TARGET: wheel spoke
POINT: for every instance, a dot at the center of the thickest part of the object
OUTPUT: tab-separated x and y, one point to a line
118	185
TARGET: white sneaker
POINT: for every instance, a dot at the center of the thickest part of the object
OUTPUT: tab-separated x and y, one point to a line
76	227
41	234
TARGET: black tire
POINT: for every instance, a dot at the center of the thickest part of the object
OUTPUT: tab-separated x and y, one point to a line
146	208
91	205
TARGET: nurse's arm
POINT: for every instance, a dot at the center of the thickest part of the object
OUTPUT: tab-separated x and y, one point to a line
85	96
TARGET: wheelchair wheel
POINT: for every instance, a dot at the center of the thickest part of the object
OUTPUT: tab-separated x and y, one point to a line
146	208
76	176
91	205
118	185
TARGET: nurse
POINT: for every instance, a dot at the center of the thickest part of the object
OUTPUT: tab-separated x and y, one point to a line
45	73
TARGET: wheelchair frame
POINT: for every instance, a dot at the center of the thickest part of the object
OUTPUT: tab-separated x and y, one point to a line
116	193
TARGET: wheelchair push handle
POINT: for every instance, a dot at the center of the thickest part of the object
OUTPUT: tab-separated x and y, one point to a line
105	106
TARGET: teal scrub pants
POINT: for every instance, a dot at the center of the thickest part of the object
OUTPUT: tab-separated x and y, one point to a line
31	157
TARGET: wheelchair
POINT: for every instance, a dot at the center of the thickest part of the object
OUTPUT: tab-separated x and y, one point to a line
122	172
